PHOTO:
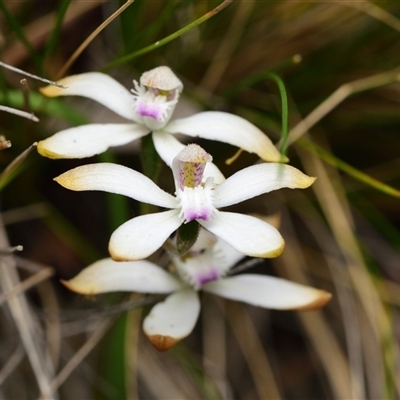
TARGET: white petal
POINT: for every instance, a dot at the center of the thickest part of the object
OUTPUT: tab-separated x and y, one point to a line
269	292
99	87
118	179
89	140
258	179
141	236
168	147
247	235
108	275
228	128
228	254
173	319
213	171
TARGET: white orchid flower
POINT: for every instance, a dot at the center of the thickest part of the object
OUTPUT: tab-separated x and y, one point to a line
196	198
150	107
204	268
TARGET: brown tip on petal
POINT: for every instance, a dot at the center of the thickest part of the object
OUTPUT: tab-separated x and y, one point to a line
307	182
273	155
68	285
324	297
272	254
162	343
50	91
118	257
284	159
46	153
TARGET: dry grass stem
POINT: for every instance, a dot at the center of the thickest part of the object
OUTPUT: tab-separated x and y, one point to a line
336	210
27	325
20	113
338	96
161	376
215	354
252	351
99	331
375	12
22	72
344	384
89	39
223	54
12	363
27	284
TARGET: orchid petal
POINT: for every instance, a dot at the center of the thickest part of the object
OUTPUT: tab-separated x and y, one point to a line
99	87
168	147
108	275
141	236
228	128
229	255
173	319
89	140
269	292
247	235
258	179
118	179
212	171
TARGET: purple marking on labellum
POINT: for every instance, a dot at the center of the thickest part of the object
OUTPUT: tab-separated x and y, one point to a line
209	276
146	110
204	214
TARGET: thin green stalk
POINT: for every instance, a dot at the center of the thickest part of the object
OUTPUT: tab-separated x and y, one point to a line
346	168
115	358
154	28
282	91
285	112
169	38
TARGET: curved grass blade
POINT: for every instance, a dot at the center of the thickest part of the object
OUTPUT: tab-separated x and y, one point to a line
346	168
169	38
14	167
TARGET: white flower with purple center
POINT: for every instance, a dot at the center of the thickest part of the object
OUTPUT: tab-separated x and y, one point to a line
197	197
203	268
150	106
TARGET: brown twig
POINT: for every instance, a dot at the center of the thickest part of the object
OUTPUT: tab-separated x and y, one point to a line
87	41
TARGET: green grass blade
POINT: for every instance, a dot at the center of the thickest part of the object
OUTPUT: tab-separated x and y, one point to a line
346	168
162	42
